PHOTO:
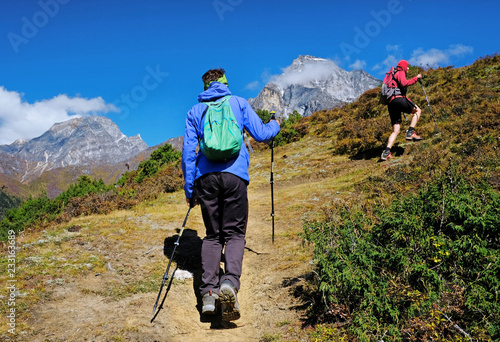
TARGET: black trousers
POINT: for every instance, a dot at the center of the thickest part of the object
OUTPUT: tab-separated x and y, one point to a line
398	105
224	207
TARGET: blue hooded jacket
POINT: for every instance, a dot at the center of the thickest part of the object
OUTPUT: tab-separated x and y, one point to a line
196	165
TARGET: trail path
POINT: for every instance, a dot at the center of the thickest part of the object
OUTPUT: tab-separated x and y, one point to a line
126	254
84	309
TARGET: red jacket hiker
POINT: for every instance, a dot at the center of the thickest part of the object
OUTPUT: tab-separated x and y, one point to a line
401	103
400	77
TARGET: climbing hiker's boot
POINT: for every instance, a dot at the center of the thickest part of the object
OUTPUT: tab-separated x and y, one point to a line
386	155
412	136
209	303
229	302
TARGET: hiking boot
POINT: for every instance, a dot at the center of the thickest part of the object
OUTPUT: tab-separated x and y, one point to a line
229	302
412	136
209	300
386	155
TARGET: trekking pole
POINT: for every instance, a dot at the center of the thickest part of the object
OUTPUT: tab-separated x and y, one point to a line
273	117
165	276
428	103
250	149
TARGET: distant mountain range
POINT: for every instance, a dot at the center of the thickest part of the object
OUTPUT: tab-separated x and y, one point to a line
92	145
311	84
95	146
78	142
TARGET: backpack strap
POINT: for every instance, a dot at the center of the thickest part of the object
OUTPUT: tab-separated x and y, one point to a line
240	115
395	70
202	116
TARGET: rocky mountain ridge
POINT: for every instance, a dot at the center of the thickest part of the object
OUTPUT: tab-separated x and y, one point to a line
80	142
311	84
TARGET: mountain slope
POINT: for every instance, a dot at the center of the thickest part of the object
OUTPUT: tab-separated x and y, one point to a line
86	271
7	202
310	84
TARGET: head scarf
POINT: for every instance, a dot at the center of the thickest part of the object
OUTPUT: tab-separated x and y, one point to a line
222	80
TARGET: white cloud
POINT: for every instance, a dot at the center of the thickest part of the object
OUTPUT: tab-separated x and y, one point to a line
253	85
305	73
394	48
421	57
430	57
340	62
390	61
459	50
22	120
266	76
358	65
437	57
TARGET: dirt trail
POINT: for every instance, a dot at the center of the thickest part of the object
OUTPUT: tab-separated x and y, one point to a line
81	310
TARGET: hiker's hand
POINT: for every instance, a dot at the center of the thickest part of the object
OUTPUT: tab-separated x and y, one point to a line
191	202
419	76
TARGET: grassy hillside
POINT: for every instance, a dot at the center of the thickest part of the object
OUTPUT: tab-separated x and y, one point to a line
405	249
416	256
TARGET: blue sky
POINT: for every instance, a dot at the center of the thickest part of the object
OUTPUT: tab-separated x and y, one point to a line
140	62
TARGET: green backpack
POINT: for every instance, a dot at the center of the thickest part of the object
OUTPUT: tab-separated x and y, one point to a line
222	136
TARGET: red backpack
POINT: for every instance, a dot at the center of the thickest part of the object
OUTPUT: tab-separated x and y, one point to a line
389	87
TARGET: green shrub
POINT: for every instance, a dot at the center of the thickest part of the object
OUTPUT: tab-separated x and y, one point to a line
430	260
291	127
85	185
162	156
32	211
7	202
41	210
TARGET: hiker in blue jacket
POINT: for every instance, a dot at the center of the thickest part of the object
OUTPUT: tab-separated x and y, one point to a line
220	187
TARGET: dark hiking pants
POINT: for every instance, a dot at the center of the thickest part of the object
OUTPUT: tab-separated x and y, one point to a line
224	206
398	105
